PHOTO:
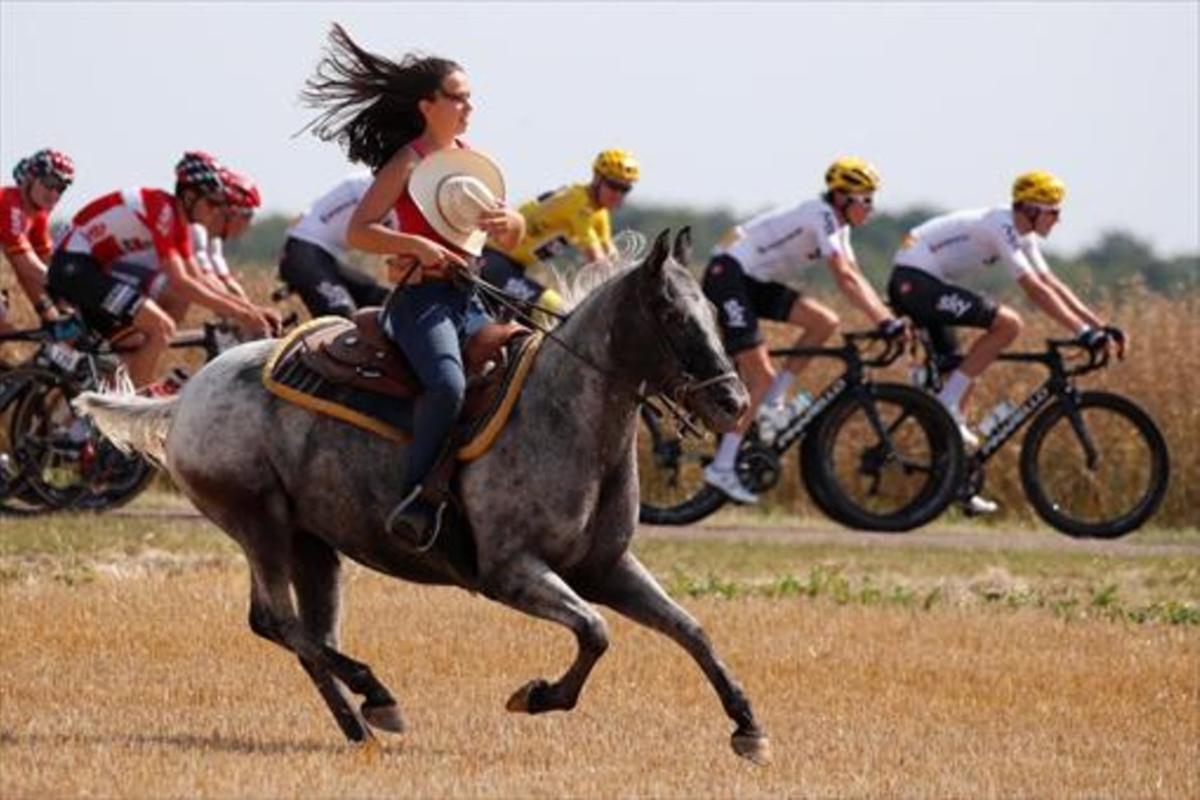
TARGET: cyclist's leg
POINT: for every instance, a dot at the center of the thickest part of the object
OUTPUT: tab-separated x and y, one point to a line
818	322
110	305
724	284
313	273
740	301
932	303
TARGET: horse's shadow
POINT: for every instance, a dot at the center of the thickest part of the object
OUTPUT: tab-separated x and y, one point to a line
181	741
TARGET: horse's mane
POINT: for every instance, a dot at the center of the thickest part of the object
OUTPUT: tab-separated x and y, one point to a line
577	283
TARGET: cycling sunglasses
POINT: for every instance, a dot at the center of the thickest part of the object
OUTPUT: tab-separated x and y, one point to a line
54	183
617	186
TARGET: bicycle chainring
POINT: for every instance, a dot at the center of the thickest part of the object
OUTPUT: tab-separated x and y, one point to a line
758	467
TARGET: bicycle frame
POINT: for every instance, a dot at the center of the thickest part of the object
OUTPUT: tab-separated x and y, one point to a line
1057	386
853	382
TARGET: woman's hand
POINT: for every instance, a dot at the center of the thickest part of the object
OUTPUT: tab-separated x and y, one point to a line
430	254
503	224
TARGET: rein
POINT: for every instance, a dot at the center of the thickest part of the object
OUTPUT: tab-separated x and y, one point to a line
523	308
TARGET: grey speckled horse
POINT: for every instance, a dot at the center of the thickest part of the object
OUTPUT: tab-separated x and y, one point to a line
549	510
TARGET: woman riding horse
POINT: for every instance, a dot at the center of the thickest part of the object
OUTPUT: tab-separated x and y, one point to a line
390	116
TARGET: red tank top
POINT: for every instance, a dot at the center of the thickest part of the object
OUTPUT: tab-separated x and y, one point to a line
410	218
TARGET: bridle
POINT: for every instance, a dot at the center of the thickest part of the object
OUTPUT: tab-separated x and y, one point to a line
683	385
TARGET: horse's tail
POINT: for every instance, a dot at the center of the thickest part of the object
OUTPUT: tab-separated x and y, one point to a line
131	422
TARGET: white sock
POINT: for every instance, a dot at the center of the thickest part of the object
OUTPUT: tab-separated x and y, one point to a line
779	386
727	451
951	394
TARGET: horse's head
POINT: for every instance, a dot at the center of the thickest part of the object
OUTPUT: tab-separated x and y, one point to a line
685	360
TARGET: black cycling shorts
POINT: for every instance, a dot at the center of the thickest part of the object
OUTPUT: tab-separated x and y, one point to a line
741	300
327	286
938	307
509	275
107	302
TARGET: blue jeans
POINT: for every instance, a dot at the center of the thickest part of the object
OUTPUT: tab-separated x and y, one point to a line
429	323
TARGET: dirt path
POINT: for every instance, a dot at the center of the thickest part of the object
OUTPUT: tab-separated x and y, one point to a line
960	538
950	538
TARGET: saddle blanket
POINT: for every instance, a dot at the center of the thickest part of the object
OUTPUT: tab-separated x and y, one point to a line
286	376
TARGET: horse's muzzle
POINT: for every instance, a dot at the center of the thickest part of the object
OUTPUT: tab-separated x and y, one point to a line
721	404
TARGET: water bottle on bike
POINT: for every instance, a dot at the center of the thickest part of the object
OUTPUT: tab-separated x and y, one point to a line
997	415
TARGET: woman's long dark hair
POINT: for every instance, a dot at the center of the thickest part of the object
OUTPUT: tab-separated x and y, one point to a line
370	102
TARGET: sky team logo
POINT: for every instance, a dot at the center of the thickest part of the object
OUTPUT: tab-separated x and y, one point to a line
735	313
954	304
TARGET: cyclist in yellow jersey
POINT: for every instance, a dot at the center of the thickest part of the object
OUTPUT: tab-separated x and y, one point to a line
575	216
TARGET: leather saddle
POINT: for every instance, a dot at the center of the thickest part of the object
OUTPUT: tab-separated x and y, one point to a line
358	354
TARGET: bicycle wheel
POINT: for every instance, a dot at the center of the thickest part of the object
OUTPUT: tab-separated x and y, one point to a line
671	472
893	483
17	499
1114	494
66	462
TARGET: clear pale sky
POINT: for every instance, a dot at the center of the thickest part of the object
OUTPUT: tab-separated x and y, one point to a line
740	106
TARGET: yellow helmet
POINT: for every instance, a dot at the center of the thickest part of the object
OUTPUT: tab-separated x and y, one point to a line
1038	187
617	165
852	174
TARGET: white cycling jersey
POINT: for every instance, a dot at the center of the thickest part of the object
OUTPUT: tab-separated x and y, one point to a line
777	245
953	246
326	221
208	250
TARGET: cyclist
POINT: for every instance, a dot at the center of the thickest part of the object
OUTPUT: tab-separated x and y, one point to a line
241	199
575	216
25	210
752	275
938	254
314	254
403	114
125	247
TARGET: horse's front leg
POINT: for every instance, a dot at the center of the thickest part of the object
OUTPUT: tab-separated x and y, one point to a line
529	585
631	590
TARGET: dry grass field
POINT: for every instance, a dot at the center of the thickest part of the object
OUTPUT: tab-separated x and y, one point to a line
127	669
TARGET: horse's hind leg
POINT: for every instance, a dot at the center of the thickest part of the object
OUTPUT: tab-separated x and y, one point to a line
262	623
631	590
317	581
273	611
529	585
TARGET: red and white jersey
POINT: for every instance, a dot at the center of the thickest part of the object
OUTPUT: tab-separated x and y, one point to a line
775	246
23	229
208	251
140	226
326	221
953	246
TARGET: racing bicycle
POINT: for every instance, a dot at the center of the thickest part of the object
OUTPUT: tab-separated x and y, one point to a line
876	456
1093	464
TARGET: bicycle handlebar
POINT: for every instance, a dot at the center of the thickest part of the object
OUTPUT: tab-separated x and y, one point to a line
893	350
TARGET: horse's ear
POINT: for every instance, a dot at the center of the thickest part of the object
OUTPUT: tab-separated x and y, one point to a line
682	249
653	265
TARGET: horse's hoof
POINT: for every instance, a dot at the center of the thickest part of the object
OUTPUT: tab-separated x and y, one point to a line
368	749
385	718
528	698
754	746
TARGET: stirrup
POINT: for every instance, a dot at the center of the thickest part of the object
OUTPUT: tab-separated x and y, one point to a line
416	520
